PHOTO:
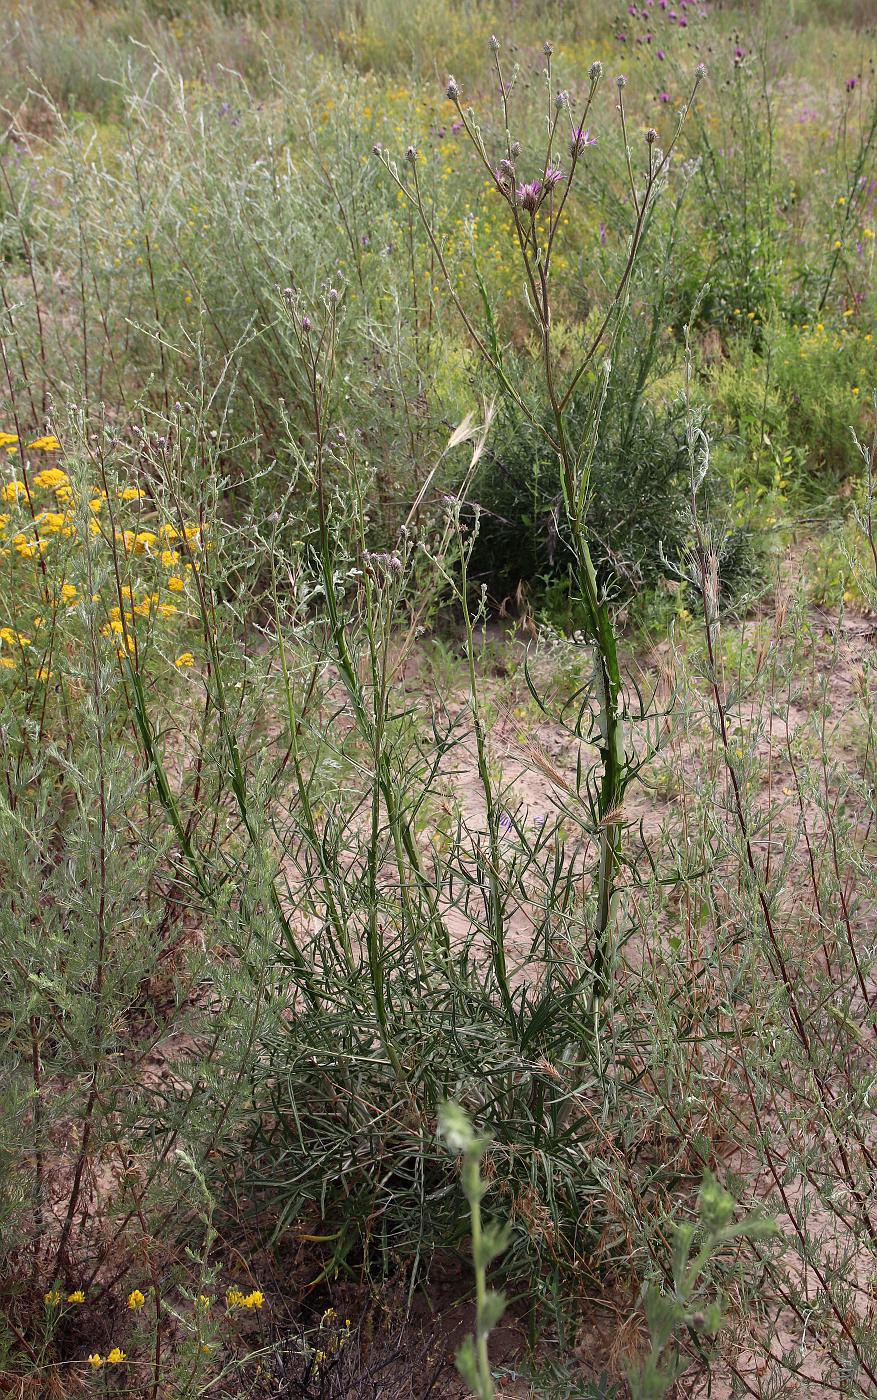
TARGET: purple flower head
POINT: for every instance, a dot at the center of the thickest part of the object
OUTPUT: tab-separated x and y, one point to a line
505	172
739	53
664	97
306	324
661	54
529	195
683	23
581	140
852	83
553	176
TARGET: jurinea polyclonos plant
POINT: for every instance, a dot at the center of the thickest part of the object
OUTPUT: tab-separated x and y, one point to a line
535	186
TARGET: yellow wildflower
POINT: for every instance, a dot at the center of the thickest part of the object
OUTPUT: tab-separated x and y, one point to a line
49	443
7	663
77	1296
7	438
96	1360
13	638
116	1356
169	557
176	585
96	504
187	659
52	1299
52	479
167	610
44	674
203	1301
13	489
143	541
254	1299
234	1298
68	592
135	1300
28	549
131	493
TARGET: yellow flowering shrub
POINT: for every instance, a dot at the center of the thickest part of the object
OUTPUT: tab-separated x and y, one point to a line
133	571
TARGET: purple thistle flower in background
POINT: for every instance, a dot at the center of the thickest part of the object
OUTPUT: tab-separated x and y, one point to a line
581	140
852	83
603	235
664	97
661	55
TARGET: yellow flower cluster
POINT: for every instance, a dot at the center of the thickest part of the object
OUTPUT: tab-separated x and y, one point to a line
155	561
136	1300
234	1298
113	1358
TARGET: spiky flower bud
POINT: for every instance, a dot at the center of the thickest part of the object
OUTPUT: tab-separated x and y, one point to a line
561	100
651	136
700	72
516	149
453	89
494	43
595	72
548	49
620	81
411	155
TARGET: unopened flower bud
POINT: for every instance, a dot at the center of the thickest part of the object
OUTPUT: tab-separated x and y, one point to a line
620	81
561	100
700	71
548	49
651	136
494	43
377	148
516	149
595	72
306	324
411	155
453	89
